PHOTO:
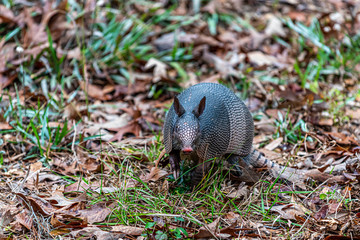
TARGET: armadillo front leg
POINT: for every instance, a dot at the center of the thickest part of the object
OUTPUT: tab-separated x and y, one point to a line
199	172
174	158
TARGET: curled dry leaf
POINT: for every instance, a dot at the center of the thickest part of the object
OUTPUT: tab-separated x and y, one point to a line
159	69
37	204
208	230
154	175
114	123
58	199
274	26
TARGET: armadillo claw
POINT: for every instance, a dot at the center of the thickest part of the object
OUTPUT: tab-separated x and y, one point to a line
176	174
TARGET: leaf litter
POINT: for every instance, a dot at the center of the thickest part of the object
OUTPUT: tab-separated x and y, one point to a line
67	174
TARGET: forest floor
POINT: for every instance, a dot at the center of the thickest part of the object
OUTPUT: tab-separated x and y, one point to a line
85	86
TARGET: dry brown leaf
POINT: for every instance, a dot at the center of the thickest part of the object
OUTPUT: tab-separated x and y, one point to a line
209	230
355	114
114	124
159	69
25	219
33	177
274	26
289	211
322	177
5	80
6	15
241	192
326	122
91	232
321	214
260	59
298	16
154	175
74	54
77	186
133	231
37	204
97	212
72	112
222	66
58	199
274	144
5	126
341	138
271	155
168	41
133	127
207	40
95	91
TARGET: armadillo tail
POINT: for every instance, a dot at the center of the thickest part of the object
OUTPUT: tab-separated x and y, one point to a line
258	160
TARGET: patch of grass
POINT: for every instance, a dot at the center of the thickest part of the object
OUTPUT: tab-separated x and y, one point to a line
291	133
175	212
331	58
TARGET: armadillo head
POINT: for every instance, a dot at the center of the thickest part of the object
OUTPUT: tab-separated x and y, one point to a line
187	127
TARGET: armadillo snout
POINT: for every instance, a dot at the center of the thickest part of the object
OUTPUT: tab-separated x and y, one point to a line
187	150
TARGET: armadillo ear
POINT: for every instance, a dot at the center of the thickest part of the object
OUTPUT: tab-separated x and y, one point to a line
200	108
179	109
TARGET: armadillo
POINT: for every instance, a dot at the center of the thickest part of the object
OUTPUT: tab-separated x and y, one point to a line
208	121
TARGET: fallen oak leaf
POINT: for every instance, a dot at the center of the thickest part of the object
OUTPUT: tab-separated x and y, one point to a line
133	127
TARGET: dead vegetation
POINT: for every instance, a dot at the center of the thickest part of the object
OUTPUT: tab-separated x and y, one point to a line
84	87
